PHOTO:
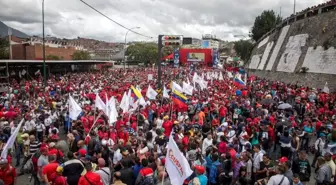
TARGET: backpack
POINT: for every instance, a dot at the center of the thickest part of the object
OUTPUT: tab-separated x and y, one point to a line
220	177
59	159
147	180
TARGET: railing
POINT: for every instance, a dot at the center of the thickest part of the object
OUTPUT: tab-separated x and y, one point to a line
300	16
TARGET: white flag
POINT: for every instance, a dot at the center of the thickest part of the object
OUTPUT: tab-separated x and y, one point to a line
177	87
151	93
194	79
99	103
112	111
177	165
188	89
11	140
220	76
326	88
74	109
165	92
245	78
124	104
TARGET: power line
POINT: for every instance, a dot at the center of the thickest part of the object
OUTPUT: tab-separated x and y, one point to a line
113	20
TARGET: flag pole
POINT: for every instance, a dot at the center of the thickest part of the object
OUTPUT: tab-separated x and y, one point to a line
69	113
94	122
164	171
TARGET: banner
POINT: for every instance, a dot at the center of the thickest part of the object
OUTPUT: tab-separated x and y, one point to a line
176	57
215	57
195	57
177	165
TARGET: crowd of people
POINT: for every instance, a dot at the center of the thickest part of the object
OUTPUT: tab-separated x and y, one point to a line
256	132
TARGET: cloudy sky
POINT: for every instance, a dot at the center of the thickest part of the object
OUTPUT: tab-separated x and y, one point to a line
72	18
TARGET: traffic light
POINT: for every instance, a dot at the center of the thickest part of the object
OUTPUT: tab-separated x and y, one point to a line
172	40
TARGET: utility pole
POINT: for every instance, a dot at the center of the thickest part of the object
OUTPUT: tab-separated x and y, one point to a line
280	11
159	61
294	6
43	49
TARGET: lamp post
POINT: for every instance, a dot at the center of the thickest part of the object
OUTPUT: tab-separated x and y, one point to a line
125	47
43	49
240	36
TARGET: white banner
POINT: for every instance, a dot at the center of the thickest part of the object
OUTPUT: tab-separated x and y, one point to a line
177	165
188	89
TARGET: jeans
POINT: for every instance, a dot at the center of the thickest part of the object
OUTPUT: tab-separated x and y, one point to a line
305	143
39	136
18	153
25	160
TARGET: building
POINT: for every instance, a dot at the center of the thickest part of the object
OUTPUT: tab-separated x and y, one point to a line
32	49
210	41
25	51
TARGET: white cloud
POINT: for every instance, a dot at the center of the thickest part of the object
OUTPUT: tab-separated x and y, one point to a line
71	18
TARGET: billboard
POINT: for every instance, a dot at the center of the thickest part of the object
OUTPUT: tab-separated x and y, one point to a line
205	44
195	57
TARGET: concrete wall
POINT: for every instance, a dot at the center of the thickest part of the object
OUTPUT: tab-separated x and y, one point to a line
307	43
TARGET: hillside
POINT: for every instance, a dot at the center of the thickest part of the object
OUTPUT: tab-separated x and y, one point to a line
301	51
15	32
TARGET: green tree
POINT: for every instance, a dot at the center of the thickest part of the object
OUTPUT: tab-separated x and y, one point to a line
143	52
264	23
4	48
243	49
81	55
53	57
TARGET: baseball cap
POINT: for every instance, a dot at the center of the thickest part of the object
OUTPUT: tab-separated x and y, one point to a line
283	160
200	169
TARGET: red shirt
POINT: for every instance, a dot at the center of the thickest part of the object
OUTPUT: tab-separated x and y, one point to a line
123	135
118	124
222	147
93	178
8	174
49	169
318	125
168	126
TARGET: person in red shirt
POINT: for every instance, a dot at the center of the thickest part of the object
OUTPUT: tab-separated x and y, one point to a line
119	123
144	172
167	125
123	134
50	168
90	178
7	172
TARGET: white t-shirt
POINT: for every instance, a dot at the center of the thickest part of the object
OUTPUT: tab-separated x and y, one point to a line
48	122
117	157
257	158
29	125
276	179
40	127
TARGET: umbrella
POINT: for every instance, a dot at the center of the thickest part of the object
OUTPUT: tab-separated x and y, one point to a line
285	106
267	101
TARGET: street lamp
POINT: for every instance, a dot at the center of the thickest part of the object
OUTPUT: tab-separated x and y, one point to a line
240	36
43	49
125	47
